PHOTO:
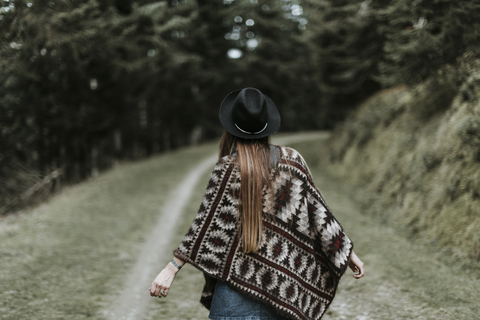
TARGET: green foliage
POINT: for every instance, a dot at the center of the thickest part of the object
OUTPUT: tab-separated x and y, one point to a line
348	46
345	49
84	85
435	95
87	84
420	165
424	35
70	92
280	65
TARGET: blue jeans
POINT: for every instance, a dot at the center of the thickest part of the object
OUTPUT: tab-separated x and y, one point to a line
227	304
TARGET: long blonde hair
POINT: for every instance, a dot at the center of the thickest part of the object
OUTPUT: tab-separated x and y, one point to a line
254	161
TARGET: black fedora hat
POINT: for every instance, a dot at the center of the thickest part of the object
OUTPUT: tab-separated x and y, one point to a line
249	114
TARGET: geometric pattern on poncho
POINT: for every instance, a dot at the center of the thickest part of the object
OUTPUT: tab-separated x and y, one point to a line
303	252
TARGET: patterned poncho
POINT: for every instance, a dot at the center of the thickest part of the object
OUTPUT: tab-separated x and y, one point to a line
303	252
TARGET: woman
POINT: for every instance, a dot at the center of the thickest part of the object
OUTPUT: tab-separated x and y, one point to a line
264	237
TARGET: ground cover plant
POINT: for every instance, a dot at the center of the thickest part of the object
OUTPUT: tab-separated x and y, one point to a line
416	154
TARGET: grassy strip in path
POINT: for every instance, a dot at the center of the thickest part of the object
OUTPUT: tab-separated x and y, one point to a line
67	258
183	301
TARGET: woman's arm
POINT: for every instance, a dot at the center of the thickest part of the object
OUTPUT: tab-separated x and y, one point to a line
356	265
162	283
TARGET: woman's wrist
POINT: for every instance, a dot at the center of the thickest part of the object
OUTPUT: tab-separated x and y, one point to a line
172	268
176	264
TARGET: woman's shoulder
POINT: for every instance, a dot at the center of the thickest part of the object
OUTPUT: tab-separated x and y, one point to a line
293	157
226	160
291	153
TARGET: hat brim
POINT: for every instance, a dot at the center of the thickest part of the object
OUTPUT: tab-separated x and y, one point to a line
226	118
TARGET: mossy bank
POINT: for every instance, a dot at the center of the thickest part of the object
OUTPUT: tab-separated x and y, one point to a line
413	154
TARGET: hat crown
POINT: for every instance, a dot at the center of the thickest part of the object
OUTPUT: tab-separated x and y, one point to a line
249	114
249	111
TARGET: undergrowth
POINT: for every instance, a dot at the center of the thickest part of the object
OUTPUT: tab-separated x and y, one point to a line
415	154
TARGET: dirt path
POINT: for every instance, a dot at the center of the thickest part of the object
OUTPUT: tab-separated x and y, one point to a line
133	299
404	279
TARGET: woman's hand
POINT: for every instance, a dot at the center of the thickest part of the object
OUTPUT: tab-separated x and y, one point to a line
163	282
356	265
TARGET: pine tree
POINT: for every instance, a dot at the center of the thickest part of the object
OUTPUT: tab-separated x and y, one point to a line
83	84
424	35
346	50
274	57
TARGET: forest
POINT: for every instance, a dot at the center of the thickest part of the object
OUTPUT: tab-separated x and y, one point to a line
85	85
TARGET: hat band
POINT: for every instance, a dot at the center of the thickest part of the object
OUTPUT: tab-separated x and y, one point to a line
252	132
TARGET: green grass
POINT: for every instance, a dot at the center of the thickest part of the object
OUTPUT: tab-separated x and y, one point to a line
183	301
67	258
